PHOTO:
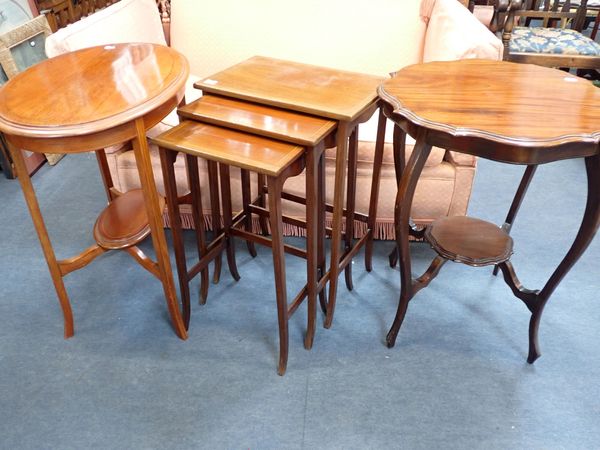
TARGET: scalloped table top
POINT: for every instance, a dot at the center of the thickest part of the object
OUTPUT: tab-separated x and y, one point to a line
510	103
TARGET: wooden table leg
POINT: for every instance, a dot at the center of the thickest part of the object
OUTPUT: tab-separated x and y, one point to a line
262	220
516	203
321	260
215	207
167	161
338	212
536	300
42	232
144	166
374	197
313	159
227	218
399	149
246	200
191	164
406	191
274	188
351	202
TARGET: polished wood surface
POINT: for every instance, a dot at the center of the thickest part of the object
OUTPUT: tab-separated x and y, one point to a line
347	97
510	103
80	105
231	147
321	91
124	222
275	161
104	87
263	120
469	240
499	110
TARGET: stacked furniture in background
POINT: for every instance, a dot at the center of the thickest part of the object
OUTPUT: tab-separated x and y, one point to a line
548	33
376	38
61	13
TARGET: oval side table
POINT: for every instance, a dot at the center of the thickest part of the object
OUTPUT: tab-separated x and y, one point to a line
88	100
507	112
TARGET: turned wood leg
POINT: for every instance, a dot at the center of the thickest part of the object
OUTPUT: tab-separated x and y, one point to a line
42	232
142	159
338	212
274	188
193	175
399	149
404	199
227	217
351	202
262	220
377	163
213	183
313	158
517	200
246	200
167	161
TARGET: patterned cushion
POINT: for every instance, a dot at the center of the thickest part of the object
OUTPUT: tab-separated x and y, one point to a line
553	41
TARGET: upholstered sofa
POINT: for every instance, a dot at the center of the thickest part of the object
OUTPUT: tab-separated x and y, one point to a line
376	37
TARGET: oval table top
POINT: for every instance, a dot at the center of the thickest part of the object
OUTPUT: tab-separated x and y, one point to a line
91	90
510	103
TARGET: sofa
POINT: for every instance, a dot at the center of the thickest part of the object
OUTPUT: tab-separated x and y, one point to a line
376	37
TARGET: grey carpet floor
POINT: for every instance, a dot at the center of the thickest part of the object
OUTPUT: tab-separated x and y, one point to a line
457	377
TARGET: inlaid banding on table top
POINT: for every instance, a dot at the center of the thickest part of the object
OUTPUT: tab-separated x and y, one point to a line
259	154
259	119
324	92
101	88
509	103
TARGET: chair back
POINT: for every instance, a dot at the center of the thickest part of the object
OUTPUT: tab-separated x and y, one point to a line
544	13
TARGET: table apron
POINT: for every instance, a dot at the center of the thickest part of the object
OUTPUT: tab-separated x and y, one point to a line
497	151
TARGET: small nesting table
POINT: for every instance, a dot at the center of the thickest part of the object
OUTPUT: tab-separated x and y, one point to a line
89	100
507	112
272	159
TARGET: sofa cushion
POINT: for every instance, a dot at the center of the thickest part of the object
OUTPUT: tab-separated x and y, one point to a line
374	37
124	21
366	150
453	34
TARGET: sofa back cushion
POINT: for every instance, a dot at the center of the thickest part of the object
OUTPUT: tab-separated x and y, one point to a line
453	34
375	36
124	21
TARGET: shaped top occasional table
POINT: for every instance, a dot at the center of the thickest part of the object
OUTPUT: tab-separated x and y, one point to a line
349	98
507	112
88	100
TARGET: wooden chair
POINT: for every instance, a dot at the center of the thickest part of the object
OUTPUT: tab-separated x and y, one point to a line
59	13
548	33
